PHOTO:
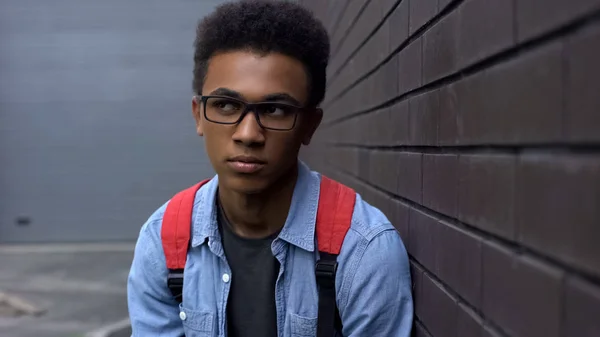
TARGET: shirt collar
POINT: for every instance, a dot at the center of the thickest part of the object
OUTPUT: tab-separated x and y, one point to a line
299	227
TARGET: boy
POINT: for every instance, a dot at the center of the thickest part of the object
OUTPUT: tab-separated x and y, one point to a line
259	77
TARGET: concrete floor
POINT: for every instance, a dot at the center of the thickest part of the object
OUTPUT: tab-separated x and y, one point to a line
81	288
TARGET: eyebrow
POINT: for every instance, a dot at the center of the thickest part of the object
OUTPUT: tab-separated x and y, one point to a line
274	97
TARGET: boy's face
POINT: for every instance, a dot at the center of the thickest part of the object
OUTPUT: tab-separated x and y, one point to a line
247	157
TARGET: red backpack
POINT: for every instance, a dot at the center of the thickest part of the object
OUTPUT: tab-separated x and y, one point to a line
334	215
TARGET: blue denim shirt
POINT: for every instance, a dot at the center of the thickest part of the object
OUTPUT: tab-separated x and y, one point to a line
373	282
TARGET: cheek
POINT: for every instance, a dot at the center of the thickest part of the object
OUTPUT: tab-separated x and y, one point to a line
283	147
215	137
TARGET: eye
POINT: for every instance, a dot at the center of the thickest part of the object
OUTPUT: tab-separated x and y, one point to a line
226	105
276	110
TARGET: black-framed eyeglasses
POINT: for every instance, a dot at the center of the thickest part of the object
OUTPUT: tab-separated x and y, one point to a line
269	115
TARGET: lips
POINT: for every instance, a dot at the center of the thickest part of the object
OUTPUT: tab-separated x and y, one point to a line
246	164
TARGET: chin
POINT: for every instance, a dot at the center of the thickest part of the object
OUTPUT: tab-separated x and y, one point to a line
246	184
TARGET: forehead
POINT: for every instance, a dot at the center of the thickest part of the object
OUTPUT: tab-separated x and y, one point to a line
255	76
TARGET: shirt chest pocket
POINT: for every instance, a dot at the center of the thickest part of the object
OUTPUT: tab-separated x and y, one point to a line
197	323
303	326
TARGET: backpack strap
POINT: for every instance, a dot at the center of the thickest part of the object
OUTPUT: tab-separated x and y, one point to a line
175	234
334	216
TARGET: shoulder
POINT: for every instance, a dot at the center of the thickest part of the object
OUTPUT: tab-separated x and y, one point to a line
148	246
372	234
151	229
149	242
372	246
368	221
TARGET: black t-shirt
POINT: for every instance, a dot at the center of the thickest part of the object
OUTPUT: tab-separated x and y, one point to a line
251	310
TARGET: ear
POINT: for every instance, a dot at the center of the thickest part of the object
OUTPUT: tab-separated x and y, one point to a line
313	123
197	113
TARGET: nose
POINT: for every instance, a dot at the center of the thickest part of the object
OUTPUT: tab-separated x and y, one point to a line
248	132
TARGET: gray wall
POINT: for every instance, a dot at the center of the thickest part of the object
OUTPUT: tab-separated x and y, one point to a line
475	126
95	124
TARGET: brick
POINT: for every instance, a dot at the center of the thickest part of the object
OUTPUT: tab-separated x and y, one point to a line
372	53
423	237
516	102
364	163
490	332
399	25
344	132
356	128
353	164
557	210
543	285
361	189
416	274
521	294
368	194
385	82
448	114
440	183
389	79
340	83
350	75
442	4
536	17
357	98
423	118
400	218
420	331
372	127
421	12
382	172
387	6
366	23
350	15
382	47
371	94
388	134
409	64
381	201
331	112
486	192
485	28
349	160
468	97
439	309
499	289
338	9
399	123
440	54
582	306
361	123
582	120
468	323
458	262
346	23
409	169
329	133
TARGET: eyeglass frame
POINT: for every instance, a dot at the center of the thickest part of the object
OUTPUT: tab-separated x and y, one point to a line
249	106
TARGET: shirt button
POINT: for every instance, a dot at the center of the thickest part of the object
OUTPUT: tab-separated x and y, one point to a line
182	316
226	278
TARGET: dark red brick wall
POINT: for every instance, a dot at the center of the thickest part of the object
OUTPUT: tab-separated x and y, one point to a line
475	126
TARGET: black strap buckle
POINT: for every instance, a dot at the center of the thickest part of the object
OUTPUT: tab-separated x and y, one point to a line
325	271
175	283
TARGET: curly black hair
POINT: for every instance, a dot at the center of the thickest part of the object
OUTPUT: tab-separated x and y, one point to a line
264	27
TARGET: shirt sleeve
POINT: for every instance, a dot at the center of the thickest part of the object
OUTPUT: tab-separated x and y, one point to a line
380	301
152	309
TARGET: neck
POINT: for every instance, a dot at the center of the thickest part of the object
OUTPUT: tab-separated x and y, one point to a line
262	214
